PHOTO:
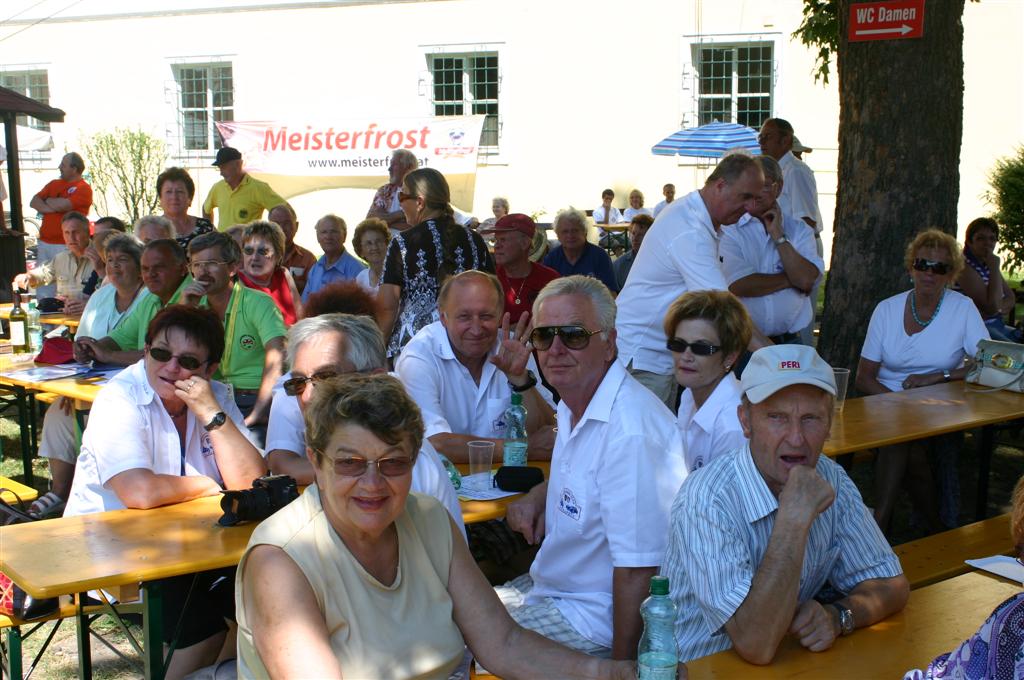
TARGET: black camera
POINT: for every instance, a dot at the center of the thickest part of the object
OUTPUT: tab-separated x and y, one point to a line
267	495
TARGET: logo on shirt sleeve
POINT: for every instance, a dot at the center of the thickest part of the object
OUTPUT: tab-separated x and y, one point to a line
567	504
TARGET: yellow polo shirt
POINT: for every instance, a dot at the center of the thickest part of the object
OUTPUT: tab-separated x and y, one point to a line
242	205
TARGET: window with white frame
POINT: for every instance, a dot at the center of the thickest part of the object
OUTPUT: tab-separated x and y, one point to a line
205	95
468	84
34	83
734	82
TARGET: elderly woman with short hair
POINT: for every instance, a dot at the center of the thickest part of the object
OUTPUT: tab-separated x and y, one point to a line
916	338
263	246
370	241
377	582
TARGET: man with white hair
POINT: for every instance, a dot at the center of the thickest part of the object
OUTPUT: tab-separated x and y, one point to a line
320	348
385	203
760	530
617	464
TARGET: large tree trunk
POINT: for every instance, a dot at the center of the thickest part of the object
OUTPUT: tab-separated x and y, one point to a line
900	125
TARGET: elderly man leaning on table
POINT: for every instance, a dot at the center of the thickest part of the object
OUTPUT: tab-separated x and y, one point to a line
323	347
461	371
163	432
757	533
617	464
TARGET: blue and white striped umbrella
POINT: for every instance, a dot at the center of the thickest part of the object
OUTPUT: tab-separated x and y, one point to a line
708	141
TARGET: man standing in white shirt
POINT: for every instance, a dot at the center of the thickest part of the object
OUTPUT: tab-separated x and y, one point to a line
799	197
681	254
461	371
669	192
606	213
320	348
771	264
617	463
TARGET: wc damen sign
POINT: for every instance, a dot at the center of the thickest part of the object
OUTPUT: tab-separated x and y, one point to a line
886	20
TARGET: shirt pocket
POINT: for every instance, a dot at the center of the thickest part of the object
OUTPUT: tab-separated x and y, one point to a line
496	418
571	504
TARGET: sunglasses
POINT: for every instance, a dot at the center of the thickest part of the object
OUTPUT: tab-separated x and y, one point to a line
262	252
402	196
939	268
573	337
700	348
354	466
207	264
296	386
186	361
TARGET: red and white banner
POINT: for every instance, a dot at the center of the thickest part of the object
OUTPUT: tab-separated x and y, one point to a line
357	148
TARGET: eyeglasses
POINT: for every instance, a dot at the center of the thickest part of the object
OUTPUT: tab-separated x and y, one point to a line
206	264
573	337
186	361
296	386
940	268
354	466
262	252
700	348
402	196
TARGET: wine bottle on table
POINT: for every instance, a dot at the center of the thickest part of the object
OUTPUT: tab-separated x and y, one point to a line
19	327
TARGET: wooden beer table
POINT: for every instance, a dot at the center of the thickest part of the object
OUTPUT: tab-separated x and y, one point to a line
482	511
54	319
936	619
897	417
13	491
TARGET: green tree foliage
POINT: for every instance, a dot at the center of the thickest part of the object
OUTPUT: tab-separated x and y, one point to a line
1007	195
820	29
125	163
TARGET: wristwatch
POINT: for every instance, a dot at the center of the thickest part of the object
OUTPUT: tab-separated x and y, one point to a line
218	419
845	618
780	240
531	382
946	376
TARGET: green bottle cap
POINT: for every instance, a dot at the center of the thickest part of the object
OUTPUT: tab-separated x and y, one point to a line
659	585
517	399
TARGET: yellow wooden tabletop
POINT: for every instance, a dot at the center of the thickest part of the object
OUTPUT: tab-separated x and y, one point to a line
481	511
936	619
25	493
57	319
896	417
81	388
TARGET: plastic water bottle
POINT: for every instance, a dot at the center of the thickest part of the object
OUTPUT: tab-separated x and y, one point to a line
514	452
35	328
658	654
453	472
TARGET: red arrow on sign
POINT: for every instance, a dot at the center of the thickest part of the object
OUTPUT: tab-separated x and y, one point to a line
886	20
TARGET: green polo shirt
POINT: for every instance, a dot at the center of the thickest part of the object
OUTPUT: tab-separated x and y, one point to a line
241	205
131	334
250	322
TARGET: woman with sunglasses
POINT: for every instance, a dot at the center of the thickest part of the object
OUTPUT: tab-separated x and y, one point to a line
707	332
163	432
262	251
917	338
420	258
376	582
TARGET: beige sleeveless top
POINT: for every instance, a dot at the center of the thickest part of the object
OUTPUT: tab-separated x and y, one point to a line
404	630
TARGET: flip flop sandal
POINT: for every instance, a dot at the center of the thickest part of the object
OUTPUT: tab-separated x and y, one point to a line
47	505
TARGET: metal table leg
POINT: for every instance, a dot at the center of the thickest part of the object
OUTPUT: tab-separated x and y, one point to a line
153	629
26	438
988	437
84	645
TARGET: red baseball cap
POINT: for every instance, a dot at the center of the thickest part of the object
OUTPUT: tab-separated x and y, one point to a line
513	222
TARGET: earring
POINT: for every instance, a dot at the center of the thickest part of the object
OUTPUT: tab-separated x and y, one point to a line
727	367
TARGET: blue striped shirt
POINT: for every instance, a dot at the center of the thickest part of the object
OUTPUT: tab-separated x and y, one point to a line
721	522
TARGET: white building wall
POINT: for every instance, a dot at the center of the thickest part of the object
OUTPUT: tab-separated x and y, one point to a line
587	87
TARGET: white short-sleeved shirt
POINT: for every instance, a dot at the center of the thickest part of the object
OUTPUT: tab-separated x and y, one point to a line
746	249
680	254
363	279
444	390
714	428
100	315
942	345
721	523
129	428
799	196
630	213
615	217
613	478
286	430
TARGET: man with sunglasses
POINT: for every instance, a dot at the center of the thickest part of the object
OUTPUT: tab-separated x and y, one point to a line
165	274
680	254
759	532
320	348
253	325
617	465
771	264
461	371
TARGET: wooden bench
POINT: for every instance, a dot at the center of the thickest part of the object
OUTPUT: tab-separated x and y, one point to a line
941	556
11	652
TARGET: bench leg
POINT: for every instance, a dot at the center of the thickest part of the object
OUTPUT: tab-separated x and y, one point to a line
14	670
984	466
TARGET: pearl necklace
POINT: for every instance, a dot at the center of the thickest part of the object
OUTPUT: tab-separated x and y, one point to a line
913	309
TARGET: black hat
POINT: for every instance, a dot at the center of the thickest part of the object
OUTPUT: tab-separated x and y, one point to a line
226	154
